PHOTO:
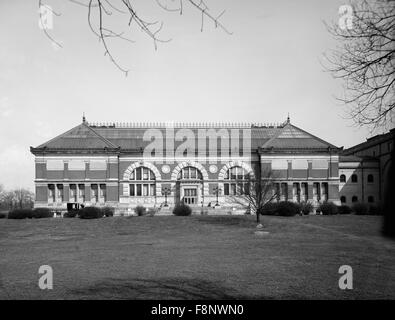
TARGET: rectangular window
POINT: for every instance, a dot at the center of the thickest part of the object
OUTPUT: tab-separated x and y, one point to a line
103	192
233	189
94	192
233	173
131	190
51	193
60	192
138	190
193	173
145	174
145	189
73	192
138	173
226	189
152	190
240	189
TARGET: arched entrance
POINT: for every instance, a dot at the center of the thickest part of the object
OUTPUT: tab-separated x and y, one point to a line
189	186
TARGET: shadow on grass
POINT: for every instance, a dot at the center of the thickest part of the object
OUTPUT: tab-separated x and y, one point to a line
166	288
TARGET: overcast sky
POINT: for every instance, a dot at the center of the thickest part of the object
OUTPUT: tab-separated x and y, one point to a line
268	67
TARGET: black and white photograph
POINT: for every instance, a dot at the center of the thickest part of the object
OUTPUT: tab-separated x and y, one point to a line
177	151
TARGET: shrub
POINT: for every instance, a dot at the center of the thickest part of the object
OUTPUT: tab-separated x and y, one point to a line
20	214
70	214
328	208
287	209
283	208
108	211
90	213
2	215
42	213
344	209
306	207
269	209
360	208
182	210
374	210
152	211
140	210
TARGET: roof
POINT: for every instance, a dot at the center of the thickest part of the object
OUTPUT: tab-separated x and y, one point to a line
352	158
375	140
292	137
130	137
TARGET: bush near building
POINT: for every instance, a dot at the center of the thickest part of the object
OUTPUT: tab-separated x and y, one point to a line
3	215
20	214
70	214
344	209
182	210
361	208
108	211
90	213
140	210
328	208
42	213
306	207
283	208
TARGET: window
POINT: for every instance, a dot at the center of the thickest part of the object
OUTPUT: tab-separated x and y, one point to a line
103	192
370	178
143	182
354	199
354	178
190	173
343	199
94	193
81	192
51	193
73	193
370	199
342	178
236	181
59	188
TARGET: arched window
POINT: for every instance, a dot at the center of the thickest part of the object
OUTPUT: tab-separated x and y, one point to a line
342	178
190	173
143	182
343	199
370	178
370	199
354	178
236	181
354	199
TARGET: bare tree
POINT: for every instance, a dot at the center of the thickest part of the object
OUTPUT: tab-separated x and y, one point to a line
365	61
16	199
257	192
99	10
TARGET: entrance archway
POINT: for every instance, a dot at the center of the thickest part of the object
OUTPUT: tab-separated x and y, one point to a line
189	186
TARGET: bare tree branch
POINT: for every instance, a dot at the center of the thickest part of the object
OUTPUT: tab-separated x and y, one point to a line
365	62
99	9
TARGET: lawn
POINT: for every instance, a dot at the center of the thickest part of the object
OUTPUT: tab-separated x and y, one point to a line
197	257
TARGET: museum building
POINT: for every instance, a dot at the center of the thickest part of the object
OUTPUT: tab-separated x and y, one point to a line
125	165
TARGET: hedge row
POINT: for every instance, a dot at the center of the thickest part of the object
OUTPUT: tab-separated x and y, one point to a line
85	213
287	208
30	213
329	208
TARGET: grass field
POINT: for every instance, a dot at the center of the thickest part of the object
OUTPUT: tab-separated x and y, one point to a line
197	257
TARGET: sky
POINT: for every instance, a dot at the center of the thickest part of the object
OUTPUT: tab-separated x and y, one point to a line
268	67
